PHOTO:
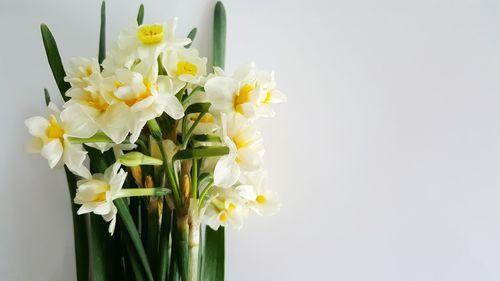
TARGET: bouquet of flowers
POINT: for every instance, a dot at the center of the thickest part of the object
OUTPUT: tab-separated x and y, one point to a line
160	155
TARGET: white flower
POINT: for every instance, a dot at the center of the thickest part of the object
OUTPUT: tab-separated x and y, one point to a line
259	199
80	70
50	140
147	41
185	65
97	194
224	208
145	98
122	103
249	92
245	150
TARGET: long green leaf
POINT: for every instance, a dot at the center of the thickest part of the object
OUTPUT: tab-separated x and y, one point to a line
163	260
196	153
79	231
54	60
102	33
212	263
133	259
197	107
213	255
140	15
219	44
126	218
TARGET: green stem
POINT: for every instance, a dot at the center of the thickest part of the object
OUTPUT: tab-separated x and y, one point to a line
131	192
204	193
99	137
185	138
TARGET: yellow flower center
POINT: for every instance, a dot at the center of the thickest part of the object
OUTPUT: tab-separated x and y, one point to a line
243	96
54	131
261	199
268	98
207	118
150	34
185	67
231	207
96	101
100	197
240	142
147	93
223	217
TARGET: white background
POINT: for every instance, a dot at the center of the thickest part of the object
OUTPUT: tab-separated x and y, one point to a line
386	156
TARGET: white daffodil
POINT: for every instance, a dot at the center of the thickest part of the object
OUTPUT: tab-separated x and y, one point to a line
259	199
97	194
185	65
245	150
147	41
224	208
50	140
144	98
249	92
80	70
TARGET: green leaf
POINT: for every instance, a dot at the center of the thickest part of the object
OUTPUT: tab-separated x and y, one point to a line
140	15
207	138
192	35
128	223
47	96
212	267
197	108
163	258
196	153
133	259
219	44
54	61
105	253
102	33
79	231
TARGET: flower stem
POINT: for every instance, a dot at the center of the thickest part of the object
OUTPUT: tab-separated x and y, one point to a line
132	192
193	245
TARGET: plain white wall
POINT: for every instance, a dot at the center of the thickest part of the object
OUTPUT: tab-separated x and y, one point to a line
386	155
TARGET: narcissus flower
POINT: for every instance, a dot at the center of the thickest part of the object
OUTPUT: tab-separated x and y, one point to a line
50	140
249	92
245	150
224	208
147	41
259	199
185	65
97	194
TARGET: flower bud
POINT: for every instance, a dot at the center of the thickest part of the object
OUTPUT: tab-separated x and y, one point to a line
136	158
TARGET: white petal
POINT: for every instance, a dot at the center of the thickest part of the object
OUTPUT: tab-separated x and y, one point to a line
73	157
79	121
221	91
53	152
173	107
226	172
37	126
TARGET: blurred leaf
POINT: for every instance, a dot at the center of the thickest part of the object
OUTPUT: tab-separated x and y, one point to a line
219	44
79	231
192	35
128	223
54	61
207	138
197	108
47	96
102	34
212	261
140	15
163	258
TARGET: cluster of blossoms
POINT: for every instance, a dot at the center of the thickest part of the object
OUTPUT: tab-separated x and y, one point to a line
152	76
